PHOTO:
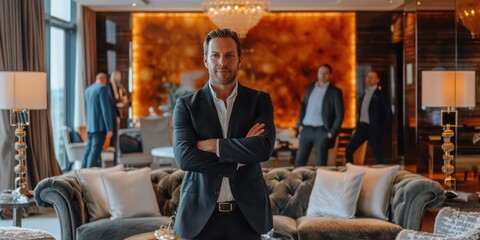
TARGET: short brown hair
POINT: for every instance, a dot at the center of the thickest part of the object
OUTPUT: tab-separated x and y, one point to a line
222	33
330	69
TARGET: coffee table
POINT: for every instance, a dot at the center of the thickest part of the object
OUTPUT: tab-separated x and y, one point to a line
151	236
143	236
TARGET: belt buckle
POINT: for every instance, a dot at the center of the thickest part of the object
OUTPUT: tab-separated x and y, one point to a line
225	207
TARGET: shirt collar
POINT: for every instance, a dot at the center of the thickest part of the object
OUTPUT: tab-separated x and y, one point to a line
232	94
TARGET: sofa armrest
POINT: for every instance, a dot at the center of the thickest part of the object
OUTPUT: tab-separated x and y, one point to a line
407	234
64	194
411	195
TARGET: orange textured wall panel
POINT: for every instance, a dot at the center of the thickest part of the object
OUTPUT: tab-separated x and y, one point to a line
281	56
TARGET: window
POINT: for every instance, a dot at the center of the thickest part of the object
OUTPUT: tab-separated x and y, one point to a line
60	33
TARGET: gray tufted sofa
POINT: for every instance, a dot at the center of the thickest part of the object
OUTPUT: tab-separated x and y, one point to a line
289	194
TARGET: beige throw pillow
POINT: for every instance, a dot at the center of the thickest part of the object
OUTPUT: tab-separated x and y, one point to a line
130	194
377	186
335	194
93	190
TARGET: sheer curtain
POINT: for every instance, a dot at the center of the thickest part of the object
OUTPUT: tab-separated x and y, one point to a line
86	67
22	48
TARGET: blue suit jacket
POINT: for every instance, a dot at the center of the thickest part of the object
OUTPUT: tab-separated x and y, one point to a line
99	108
195	118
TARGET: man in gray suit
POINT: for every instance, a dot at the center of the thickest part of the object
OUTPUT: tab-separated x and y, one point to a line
221	134
321	116
98	102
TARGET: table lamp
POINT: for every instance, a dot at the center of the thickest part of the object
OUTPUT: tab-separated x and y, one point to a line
450	89
19	92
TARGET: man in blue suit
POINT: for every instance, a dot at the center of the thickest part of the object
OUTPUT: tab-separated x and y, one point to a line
374	118
98	102
221	134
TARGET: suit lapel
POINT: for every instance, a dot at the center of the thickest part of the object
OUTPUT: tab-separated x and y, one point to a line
240	106
212	122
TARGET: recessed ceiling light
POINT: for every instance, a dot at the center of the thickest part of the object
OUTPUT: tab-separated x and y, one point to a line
134	4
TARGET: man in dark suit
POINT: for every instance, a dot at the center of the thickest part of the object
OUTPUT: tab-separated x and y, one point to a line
321	116
374	117
98	102
221	134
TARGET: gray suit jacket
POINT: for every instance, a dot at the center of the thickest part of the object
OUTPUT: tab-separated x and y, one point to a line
195	118
332	110
99	108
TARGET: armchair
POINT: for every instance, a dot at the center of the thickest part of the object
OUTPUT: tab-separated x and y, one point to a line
126	138
74	150
450	224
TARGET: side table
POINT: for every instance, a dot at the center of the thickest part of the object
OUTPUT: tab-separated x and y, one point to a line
464	201
16	207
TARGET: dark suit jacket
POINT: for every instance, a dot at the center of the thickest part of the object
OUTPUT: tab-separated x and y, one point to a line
332	110
99	108
379	111
195	118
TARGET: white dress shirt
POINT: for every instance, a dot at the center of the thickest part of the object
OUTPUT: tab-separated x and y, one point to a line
365	103
224	114
313	115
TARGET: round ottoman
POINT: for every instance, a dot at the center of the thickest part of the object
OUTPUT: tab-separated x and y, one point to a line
16	233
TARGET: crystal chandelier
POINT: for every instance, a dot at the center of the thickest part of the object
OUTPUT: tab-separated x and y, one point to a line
238	15
469	14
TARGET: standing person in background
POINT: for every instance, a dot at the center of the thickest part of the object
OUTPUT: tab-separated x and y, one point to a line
221	134
100	121
374	117
321	116
116	103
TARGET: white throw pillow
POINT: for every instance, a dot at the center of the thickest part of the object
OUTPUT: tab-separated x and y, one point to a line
377	186
93	190
130	194
335	194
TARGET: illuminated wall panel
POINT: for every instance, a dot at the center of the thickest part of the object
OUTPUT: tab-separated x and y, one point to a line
281	56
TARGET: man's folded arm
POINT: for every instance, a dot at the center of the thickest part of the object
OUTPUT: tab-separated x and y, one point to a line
252	149
187	156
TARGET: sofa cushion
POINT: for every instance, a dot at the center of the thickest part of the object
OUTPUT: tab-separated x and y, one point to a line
375	194
93	190
345	229
335	194
130	194
284	224
119	228
289	190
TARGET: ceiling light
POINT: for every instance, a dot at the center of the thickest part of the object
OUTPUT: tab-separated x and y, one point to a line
469	14
238	15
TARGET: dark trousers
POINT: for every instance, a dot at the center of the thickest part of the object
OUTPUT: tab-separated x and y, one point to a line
312	137
93	150
227	226
365	132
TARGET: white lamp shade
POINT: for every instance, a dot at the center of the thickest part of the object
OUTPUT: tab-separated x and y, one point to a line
23	90
448	88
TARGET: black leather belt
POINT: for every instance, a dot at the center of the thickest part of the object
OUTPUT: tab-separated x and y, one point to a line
226	206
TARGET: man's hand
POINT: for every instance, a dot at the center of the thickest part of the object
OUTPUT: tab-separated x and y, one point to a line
256	130
329	135
300	128
109	134
209	145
